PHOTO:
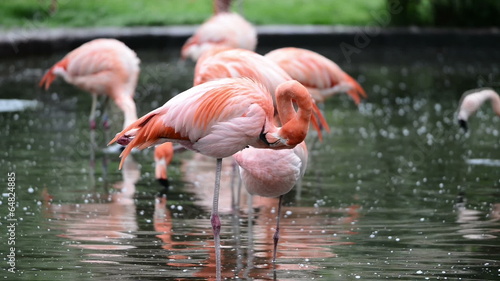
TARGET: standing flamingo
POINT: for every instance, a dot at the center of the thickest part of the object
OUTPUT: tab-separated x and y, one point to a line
472	100
272	173
164	153
222	29
322	77
220	118
244	63
102	67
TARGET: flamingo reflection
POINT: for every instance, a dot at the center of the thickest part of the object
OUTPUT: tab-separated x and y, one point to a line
247	246
104	224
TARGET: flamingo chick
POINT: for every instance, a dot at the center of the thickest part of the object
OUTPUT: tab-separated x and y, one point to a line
102	67
322	77
220	118
272	173
472	100
223	29
164	153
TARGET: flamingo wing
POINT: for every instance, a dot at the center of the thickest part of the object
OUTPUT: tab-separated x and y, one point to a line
217	119
317	73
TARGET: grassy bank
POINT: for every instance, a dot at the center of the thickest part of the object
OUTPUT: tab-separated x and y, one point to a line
93	13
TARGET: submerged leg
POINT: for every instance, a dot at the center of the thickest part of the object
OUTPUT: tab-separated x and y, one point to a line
276	236
215	220
92	140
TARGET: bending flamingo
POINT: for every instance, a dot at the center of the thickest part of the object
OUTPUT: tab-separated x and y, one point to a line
164	153
225	63
322	77
472	100
102	67
220	118
272	173
222	29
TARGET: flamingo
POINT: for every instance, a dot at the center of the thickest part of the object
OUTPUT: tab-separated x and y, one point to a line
164	153
219	118
222	29
272	173
322	77
225	63
102	67
472	100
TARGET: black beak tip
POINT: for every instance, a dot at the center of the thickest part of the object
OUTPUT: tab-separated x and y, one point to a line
463	124
165	183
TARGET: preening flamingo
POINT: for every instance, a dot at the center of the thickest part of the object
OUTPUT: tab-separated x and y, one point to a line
243	63
272	173
220	118
322	77
222	29
101	67
472	100
164	153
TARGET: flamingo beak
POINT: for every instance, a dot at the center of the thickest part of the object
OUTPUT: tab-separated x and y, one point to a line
463	124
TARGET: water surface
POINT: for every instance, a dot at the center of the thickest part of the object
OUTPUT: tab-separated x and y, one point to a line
395	191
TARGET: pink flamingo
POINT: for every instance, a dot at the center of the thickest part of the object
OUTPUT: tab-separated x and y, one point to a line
225	63
322	77
220	118
222	29
102	67
472	100
272	173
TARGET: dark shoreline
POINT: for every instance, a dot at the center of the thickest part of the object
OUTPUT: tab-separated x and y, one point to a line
26	42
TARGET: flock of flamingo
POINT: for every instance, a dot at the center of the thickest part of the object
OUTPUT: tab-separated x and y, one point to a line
242	104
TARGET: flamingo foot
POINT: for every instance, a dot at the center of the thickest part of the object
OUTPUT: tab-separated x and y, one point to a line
92	124
276	238
215	220
125	140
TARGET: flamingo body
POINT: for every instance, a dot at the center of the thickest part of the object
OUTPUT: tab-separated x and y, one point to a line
271	173
221	117
101	67
222	29
320	75
244	63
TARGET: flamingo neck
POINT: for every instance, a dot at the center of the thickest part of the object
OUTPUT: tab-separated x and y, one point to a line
296	124
127	105
221	6
495	101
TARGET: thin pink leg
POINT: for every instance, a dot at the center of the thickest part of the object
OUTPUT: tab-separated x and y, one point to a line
276	236
215	220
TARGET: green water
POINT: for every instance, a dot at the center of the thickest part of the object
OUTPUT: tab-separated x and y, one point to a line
378	200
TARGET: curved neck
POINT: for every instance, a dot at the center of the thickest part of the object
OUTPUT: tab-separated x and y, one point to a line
127	105
295	124
495	101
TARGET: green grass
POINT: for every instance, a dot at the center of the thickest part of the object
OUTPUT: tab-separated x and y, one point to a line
94	13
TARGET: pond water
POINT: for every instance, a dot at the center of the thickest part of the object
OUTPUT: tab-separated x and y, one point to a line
395	191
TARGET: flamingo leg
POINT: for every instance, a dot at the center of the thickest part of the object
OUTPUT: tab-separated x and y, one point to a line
233	186
215	220
276	236
250	256
92	140
105	115
92	112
